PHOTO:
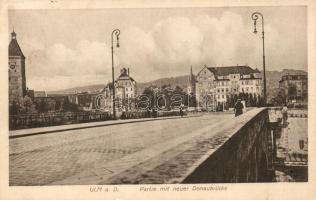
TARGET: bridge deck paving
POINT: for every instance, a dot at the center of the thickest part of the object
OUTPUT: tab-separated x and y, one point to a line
107	155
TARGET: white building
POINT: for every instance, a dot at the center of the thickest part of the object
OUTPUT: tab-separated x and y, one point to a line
125	91
216	84
125	85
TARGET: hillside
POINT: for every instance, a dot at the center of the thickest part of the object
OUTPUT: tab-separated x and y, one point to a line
273	78
89	88
173	81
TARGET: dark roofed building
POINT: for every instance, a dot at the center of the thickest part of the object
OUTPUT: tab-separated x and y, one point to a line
227	70
217	84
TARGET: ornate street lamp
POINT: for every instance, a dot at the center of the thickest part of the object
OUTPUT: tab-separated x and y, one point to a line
255	17
116	33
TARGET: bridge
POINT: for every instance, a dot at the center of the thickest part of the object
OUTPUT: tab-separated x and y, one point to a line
203	148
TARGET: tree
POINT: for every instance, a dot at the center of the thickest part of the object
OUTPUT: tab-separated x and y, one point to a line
27	105
280	99
42	106
71	107
14	108
178	89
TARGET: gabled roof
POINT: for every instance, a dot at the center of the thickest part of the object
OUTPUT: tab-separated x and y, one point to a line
14	48
224	71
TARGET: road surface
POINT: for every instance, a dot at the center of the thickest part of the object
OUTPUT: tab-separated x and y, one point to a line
144	152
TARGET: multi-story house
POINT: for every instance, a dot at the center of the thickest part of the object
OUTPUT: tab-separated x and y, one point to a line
294	86
125	91
125	85
216	84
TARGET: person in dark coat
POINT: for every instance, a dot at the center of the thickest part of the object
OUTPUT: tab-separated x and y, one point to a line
238	108
181	111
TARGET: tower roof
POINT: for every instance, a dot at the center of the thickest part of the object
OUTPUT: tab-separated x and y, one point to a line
14	48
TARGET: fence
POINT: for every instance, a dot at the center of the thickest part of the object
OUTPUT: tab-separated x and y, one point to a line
52	119
23	121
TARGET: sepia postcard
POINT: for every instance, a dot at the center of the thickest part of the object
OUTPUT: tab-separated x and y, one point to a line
161	100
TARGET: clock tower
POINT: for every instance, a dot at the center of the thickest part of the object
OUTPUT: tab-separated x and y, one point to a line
17	82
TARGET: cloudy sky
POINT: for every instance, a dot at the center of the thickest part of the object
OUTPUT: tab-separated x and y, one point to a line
68	48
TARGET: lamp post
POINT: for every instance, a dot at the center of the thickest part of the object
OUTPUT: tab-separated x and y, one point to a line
116	32
255	17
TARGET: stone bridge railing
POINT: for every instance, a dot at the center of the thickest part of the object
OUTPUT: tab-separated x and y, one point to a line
247	156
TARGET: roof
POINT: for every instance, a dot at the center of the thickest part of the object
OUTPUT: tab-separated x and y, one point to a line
294	77
223	71
14	48
226	79
252	78
125	75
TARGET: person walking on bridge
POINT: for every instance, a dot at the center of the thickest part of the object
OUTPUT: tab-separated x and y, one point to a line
284	114
238	108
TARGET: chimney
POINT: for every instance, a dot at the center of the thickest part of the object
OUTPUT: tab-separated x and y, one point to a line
128	71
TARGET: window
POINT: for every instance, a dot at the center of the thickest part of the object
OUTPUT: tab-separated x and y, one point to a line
223	97
218	91
226	89
222	89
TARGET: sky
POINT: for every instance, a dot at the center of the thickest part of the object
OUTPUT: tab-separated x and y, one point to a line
70	48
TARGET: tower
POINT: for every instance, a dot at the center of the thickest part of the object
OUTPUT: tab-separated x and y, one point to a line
17	80
191	83
191	89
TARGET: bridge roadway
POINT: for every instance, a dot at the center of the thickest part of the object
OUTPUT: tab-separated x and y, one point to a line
159	151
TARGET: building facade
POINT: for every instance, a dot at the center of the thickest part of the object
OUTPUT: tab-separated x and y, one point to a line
125	85
294	86
17	78
215	85
125	91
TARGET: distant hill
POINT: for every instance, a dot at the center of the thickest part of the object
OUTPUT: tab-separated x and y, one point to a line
89	88
273	78
181	81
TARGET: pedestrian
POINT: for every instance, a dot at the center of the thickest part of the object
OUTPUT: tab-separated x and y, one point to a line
284	114
123	113
238	108
181	110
